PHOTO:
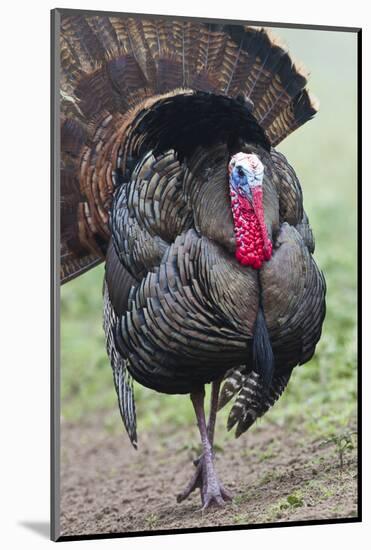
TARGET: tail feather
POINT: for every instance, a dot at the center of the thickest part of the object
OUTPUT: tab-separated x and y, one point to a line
103	28
253	401
234	381
299	111
85	42
73	138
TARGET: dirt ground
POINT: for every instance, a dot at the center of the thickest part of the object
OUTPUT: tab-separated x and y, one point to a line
107	486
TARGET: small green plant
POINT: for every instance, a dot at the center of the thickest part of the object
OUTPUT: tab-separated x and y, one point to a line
291	502
343	442
151	521
295	501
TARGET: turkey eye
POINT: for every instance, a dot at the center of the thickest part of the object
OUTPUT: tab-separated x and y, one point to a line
240	172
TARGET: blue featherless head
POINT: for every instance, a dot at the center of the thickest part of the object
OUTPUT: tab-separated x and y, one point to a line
245	172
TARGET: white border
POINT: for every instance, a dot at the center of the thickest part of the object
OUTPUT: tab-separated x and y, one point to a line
25	272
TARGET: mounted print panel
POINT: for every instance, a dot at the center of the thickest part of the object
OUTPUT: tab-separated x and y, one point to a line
205	299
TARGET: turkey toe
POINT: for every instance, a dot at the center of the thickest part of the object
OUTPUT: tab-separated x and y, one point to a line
204	478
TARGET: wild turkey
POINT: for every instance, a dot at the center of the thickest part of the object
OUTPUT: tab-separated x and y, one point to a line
169	174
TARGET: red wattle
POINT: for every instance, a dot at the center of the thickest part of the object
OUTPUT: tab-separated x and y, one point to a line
253	246
257	201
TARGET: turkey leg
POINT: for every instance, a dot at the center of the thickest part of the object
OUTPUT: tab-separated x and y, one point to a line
215	387
205	478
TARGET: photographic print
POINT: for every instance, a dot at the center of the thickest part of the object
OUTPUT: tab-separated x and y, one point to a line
205	294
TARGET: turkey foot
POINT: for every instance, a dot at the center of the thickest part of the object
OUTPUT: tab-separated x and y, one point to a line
205	478
212	491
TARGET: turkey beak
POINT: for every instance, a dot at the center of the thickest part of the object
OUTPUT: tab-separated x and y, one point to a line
257	202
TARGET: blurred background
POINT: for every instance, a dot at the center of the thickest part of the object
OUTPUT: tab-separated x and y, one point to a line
321	396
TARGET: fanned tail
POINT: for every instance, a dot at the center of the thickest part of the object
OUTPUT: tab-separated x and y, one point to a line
114	68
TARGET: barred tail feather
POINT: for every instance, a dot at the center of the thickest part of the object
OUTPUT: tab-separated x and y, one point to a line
234	381
253	400
300	110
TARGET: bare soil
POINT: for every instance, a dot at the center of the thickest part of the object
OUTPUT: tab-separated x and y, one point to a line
275	476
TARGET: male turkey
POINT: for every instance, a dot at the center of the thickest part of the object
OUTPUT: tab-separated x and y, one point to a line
170	175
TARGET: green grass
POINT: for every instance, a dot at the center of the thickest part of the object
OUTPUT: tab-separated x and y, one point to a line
322	393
